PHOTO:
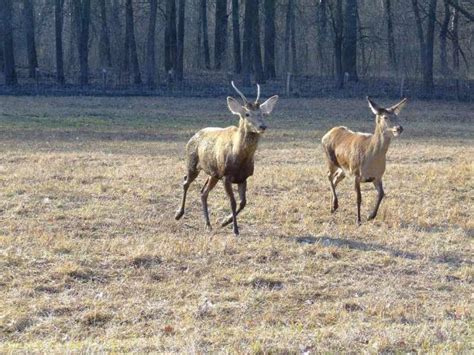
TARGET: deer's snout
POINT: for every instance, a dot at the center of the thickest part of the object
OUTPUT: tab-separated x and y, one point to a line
262	127
399	129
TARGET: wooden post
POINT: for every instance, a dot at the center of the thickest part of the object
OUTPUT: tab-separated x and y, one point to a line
104	78
288	84
37	78
402	85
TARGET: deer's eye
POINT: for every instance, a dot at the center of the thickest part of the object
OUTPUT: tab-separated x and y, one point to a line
247	114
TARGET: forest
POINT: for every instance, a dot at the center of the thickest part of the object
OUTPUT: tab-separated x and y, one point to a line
299	45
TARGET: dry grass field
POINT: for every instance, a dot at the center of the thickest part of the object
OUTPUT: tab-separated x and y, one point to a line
91	259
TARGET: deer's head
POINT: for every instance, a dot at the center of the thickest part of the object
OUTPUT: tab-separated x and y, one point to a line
252	113
387	118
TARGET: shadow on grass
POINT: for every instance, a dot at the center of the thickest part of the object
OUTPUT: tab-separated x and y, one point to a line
352	244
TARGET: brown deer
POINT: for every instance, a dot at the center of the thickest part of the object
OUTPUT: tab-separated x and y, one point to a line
361	154
228	154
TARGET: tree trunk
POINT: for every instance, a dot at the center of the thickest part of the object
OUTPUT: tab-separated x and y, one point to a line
220	33
170	35
289	12
337	23
58	26
443	34
322	35
294	57
205	34
8	49
349	44
180	42
236	37
428	73
29	21
82	10
150	46
455	33
257	50
269	43
130	42
421	35
392	57
2	56
104	42
247	57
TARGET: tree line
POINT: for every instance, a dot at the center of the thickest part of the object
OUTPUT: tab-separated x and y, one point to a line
144	42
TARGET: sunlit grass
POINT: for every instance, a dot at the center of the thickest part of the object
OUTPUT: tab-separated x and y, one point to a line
91	258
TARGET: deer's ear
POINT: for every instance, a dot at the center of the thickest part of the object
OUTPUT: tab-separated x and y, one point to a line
234	106
373	106
398	107
267	106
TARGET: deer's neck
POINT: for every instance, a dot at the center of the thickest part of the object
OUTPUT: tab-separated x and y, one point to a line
379	142
246	141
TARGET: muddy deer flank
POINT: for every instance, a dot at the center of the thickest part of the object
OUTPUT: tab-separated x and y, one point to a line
362	155
228	154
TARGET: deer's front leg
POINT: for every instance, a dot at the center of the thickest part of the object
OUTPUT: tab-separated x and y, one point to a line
243	202
380	194
233	204
359	197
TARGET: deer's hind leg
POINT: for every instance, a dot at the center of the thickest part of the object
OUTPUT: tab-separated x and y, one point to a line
208	186
335	176
188	179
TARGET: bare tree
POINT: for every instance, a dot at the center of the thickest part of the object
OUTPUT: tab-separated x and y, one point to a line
104	42
220	33
170	35
294	56
322	20
205	34
180	41
337	25
236	36
130	48
58	26
82	11
8	49
289	17
349	43
426	43
392	57
443	35
29	22
269	41
252	57
247	55
150	48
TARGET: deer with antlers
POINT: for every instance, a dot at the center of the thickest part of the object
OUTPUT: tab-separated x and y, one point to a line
361	154
228	154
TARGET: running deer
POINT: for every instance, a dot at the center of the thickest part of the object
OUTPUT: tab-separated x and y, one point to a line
228	154
361	154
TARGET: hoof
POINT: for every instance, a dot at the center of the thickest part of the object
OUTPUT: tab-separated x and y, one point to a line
179	214
358	223
208	227
371	217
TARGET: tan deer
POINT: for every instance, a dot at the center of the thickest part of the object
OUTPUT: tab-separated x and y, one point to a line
228	154
362	155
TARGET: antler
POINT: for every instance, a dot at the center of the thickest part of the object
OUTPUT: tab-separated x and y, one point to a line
258	93
239	92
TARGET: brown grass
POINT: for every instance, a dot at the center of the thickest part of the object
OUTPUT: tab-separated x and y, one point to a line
92	260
